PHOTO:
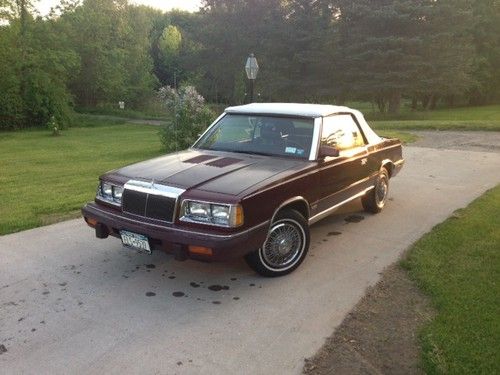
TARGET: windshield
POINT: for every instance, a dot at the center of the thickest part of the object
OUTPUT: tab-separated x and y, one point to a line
262	135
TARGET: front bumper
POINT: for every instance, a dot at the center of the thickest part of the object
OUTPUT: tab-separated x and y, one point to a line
398	165
176	240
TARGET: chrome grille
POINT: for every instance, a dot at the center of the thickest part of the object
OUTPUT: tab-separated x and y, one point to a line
150	200
134	202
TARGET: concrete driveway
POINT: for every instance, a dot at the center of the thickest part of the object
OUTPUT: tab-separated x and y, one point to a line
70	303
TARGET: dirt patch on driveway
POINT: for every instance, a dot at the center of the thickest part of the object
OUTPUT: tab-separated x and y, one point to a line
379	336
459	140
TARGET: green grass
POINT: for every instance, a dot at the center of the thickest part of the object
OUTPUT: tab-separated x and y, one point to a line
486	118
45	179
486	113
125	113
458	265
476	125
405	137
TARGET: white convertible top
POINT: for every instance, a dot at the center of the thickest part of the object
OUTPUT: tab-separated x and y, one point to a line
289	109
305	110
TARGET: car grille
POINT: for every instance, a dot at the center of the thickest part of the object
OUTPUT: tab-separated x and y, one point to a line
148	205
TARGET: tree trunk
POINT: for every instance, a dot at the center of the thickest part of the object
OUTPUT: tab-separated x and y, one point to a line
430	100
380	104
433	103
340	98
414	103
425	101
394	102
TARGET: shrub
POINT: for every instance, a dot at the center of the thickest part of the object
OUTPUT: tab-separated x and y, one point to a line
190	117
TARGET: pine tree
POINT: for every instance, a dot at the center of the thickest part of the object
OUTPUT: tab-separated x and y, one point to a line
393	48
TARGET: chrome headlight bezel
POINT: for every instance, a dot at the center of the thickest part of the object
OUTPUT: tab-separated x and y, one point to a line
109	193
211	213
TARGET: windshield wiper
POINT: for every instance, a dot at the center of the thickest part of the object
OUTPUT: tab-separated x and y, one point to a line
249	152
252	152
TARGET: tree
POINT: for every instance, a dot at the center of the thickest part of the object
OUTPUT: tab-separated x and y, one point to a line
48	67
394	48
485	32
11	103
166	51
229	31
34	70
447	53
112	40
307	63
140	80
190	117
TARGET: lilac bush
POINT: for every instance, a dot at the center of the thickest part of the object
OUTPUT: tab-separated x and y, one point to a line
190	117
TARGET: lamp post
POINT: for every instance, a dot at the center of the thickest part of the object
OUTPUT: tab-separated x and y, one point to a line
251	68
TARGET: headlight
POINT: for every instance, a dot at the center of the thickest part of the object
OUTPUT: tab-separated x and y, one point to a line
107	190
226	215
198	210
117	193
221	214
110	193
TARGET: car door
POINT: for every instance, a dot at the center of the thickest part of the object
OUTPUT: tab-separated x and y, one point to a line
342	177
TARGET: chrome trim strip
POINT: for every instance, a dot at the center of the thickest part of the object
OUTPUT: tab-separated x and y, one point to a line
353	158
154	189
384	148
348	159
207	129
100	198
232	212
226	236
328	211
292	200
350	186
399	162
313	155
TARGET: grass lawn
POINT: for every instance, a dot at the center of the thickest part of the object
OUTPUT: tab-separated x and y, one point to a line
152	109
458	265
408	125
485	118
405	137
46	179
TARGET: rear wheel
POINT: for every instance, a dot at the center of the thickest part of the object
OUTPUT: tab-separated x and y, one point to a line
285	248
374	201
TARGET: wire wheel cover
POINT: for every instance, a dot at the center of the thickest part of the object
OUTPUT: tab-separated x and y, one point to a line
284	244
381	191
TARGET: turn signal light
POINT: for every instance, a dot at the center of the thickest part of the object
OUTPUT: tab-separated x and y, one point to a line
200	250
91	222
238	216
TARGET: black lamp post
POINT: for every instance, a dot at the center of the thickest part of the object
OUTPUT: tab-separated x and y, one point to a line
251	68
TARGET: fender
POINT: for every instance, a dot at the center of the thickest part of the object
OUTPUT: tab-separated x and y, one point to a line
390	164
292	200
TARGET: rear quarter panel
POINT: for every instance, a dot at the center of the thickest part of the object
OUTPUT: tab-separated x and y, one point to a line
390	149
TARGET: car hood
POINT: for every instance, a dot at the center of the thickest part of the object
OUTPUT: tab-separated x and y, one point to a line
219	172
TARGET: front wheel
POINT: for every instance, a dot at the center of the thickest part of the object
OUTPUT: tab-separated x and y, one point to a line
374	201
285	248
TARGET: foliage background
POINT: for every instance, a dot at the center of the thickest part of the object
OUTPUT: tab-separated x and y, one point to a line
93	53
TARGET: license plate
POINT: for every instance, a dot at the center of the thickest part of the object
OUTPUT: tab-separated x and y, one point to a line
135	241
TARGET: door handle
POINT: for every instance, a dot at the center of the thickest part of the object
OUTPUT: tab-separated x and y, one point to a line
363	161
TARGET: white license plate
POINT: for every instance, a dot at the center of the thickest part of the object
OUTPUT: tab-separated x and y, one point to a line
135	241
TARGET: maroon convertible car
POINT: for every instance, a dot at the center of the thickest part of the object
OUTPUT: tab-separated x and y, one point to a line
250	187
